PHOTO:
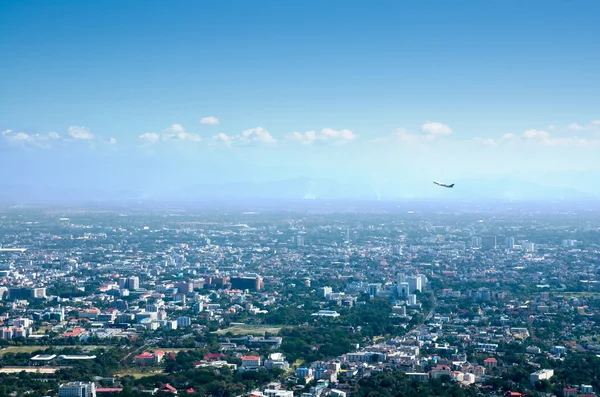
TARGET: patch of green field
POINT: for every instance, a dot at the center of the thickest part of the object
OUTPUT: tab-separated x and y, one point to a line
139	375
21	349
31	349
297	364
174	349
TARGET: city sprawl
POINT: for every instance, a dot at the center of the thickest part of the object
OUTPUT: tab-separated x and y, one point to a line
430	301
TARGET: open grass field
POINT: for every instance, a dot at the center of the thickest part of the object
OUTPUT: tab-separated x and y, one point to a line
139	375
17	370
174	349
21	349
245	329
31	349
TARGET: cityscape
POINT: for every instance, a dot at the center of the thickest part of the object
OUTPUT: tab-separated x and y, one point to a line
128	302
315	198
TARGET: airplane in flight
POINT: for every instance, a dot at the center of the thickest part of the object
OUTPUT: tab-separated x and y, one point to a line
443	184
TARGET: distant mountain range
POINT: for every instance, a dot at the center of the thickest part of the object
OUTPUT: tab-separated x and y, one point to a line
306	189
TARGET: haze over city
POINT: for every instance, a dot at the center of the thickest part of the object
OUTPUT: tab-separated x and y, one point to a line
314	99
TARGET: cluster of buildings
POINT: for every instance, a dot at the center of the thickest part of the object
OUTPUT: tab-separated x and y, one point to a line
491	286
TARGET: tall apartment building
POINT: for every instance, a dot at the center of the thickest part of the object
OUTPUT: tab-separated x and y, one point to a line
488	242
415	283
133	283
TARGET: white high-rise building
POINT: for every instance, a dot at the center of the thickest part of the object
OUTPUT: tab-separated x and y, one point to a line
77	389
414	284
184	322
412	299
325	292
529	247
133	283
509	243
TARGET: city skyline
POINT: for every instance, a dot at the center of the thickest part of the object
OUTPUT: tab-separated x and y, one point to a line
145	98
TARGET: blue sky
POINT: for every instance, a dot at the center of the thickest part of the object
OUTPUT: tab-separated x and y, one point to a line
114	92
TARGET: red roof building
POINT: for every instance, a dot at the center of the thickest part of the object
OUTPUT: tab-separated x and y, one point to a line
168	389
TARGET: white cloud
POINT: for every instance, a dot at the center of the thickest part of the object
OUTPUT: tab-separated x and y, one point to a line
176	132
342	135
435	128
223	138
593	125
149	137
305	138
186	136
536	134
539	137
576	127
257	134
36	140
326	134
80	133
112	141
210	120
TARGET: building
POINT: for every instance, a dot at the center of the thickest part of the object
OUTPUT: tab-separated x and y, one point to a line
147	358
133	283
412	299
438	371
490	362
325	292
529	247
415	284
184	322
475	242
299	241
185	288
278	393
418	376
403	289
488	242
253	283
77	389
304	372
198	307
509	243
251	361
374	289
326	313
540	375
18	293
277	360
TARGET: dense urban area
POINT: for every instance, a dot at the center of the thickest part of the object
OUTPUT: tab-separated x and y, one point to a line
430	301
